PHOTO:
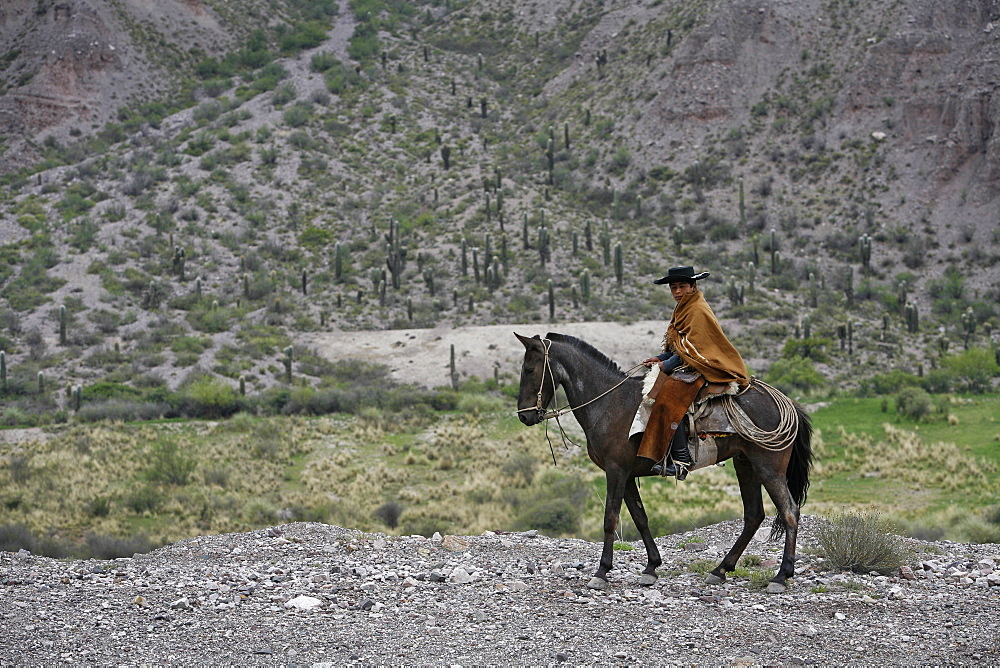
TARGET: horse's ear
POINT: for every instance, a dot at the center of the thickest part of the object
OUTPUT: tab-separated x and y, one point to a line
528	343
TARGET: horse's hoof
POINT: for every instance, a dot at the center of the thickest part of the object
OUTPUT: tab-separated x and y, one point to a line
597	583
647	579
714	579
775	588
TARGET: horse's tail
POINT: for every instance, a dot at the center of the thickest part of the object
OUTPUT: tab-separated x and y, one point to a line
799	465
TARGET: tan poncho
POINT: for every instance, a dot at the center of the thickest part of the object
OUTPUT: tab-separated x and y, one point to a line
694	333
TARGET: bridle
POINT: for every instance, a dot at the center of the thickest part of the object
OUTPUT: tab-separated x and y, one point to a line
539	406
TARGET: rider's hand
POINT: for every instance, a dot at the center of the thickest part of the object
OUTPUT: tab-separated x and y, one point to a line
651	361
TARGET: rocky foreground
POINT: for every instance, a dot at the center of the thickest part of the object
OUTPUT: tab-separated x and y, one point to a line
308	594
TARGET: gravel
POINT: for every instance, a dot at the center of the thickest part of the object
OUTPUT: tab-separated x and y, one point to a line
314	594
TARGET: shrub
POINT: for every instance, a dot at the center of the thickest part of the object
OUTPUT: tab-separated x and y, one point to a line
973	369
914	403
796	374
389	513
111	547
169	464
889	383
862	543
209	397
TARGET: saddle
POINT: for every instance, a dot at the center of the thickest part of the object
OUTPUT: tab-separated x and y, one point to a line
706	417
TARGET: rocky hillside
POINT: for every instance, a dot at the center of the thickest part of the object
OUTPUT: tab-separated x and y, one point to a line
833	163
317	594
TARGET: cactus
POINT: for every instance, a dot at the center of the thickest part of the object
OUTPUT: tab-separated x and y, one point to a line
395	254
487	250
490	279
246	286
464	256
552	299
606	243
638	205
381	293
616	205
446	156
305	282
551	158
409	309
849	286
544	253
338	262
775	258
566	135
850	337
807	327
677	236
524	231
734	291
586	116
865	247
62	325
76	397
287	361
503	254
452	371
585	286
813	292
912	318
429	281
755	248
619	265
575	296
751	276
197	287
3	372
475	264
576	243
842	336
743	207
178	265
588	236
902	296
483	108
41	382
968	326
243	385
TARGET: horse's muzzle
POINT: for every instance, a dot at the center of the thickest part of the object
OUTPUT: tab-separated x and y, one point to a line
530	417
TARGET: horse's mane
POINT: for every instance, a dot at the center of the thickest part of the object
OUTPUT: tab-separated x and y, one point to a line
586	349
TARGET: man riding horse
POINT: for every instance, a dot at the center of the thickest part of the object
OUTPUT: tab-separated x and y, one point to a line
695	352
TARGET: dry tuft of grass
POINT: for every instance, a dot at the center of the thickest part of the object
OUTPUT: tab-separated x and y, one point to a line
861	542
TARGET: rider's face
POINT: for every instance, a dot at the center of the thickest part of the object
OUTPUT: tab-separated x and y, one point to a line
681	290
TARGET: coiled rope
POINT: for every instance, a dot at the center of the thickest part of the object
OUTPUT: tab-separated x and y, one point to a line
777	439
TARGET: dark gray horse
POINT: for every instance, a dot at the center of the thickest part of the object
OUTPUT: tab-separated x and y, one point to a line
586	375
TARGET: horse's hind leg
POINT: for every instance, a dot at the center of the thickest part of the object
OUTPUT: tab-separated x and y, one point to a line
634	504
753	516
787	518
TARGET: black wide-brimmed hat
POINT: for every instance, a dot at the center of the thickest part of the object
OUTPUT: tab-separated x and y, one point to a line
681	275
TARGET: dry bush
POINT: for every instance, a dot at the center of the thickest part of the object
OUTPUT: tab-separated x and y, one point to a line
861	542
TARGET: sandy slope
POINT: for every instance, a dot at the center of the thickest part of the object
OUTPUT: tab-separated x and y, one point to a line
421	356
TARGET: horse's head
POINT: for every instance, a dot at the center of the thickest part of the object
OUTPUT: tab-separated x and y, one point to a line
537	383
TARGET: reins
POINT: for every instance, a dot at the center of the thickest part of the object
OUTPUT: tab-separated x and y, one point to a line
547	415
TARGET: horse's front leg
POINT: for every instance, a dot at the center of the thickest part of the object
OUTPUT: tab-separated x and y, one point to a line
787	518
616	480
635	508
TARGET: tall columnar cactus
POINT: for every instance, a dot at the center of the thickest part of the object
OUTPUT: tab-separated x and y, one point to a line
395	253
487	209
287	361
243	385
734	291
865	249
503	254
751	276
179	258
588	236
551	159
552	300
743	207
842	336
912	317
338	261
76	397
429	281
566	135
465	257
968	326
807	328
487	250
305	282
775	258
544	252
677	236
638	205
446	157
606	243
850	337
62	325
755	248
813	292
619	265
41	382
3	372
586	116
381	293
246	286
576	243
849	286
452	370
524	231
409	309
574	294
902	296
475	264
490	279
585	286
483	108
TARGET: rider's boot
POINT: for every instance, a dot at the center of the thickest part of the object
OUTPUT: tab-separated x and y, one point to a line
679	456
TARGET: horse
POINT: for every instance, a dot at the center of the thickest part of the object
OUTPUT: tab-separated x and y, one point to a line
605	400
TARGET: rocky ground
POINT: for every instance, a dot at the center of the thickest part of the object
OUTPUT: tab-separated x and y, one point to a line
312	594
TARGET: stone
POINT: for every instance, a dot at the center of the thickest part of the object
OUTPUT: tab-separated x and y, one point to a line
906	573
455	544
304	603
181	604
460	576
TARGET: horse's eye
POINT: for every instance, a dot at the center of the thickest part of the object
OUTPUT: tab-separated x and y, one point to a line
529	369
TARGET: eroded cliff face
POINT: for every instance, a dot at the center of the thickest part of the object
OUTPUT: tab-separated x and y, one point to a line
70	65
